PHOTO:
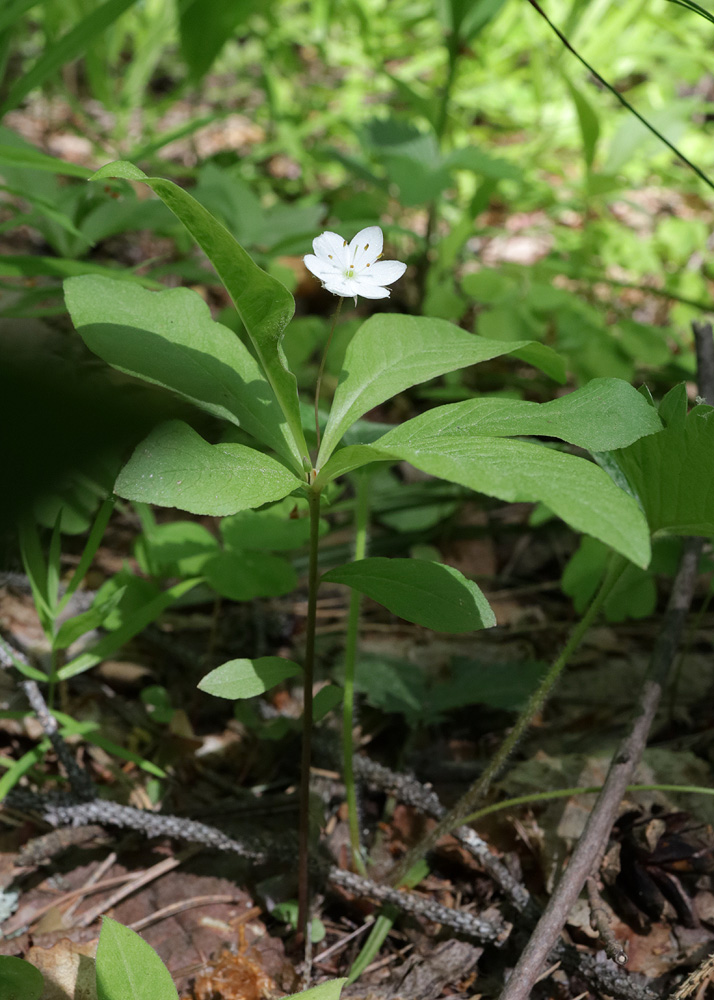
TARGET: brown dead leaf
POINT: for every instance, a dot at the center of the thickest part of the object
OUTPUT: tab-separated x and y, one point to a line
68	969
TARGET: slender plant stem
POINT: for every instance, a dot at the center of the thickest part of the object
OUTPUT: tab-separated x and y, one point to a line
318	384
348	705
308	674
467	803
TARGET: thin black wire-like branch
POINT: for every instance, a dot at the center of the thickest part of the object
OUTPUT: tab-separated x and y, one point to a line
623	100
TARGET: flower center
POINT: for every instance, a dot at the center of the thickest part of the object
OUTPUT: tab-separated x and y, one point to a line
350	272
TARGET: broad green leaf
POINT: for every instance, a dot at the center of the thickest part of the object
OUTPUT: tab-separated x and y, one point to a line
64	50
517	471
19	980
128	968
633	596
325	991
247	678
390	353
175	467
169	339
32	159
427	593
241	576
179	548
606	413
672	474
131	626
264	305
272	530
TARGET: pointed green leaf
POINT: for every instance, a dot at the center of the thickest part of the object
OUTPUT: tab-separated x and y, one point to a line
575	489
80	624
247	678
606	413
179	548
19	980
325	991
264	304
169	339
427	593
128	968
175	467
391	353
672	473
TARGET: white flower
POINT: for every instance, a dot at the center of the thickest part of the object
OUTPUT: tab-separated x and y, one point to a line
354	269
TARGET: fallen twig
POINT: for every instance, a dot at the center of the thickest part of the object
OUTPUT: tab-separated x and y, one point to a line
600	922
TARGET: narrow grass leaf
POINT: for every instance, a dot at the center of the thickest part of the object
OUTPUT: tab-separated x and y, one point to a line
69	47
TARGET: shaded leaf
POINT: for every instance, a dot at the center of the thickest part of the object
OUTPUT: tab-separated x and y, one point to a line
19	980
264	304
169	339
175	467
427	593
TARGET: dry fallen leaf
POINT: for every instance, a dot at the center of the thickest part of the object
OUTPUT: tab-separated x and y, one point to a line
68	969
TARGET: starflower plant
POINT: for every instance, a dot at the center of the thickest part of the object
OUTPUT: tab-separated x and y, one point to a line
486	444
352	269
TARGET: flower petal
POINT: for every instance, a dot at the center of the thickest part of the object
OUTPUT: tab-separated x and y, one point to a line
319	267
339	285
330	246
366	247
369	291
384	272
